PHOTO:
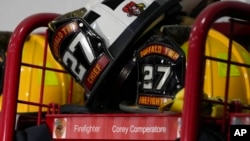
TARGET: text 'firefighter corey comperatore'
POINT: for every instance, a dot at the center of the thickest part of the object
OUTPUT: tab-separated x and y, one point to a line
96	45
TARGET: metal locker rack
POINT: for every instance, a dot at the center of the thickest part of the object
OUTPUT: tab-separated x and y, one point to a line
206	20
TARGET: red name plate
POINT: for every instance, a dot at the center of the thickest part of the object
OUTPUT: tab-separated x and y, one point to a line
117	126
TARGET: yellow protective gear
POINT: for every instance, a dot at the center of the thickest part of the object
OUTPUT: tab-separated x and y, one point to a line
56	84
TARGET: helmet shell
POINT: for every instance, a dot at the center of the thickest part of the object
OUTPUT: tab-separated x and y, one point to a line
115	17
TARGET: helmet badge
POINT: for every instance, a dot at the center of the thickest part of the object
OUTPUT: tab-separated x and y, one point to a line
133	9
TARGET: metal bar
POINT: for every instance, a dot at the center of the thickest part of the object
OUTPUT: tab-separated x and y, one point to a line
12	71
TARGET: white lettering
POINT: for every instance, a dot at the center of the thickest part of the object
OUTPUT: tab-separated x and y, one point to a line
117	129
138	129
87	128
240	132
144	130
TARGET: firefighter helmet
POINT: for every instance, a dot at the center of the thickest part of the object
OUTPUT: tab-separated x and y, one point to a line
93	43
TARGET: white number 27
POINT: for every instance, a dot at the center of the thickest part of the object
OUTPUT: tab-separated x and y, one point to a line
148	79
77	68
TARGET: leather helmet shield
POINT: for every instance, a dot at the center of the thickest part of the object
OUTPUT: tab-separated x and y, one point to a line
80	50
161	69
